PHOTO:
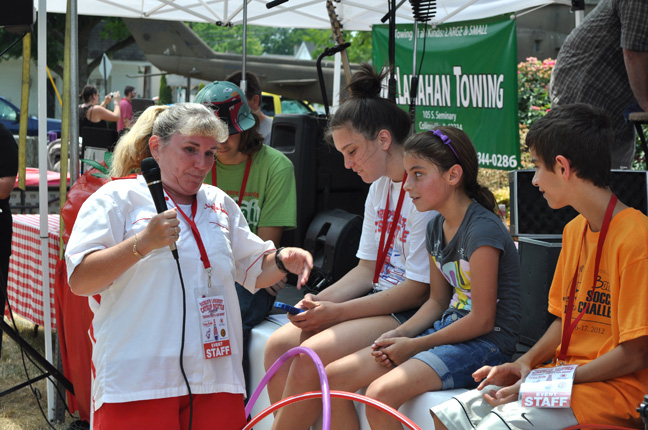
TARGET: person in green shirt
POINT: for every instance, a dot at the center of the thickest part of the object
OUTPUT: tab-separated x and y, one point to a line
260	179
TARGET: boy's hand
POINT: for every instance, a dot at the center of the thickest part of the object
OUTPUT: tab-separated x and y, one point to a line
508	375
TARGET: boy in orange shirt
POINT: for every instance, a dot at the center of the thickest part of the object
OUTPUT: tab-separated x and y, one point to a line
570	150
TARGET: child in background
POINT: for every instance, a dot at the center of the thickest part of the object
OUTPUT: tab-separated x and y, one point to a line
570	148
472	315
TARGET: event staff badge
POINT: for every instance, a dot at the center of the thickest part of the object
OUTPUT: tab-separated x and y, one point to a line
548	387
213	325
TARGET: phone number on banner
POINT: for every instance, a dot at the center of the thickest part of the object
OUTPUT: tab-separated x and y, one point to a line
497	160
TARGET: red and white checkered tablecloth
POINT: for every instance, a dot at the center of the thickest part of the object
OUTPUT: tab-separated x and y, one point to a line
25	283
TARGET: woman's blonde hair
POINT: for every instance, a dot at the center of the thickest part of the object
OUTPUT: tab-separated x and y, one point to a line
189	119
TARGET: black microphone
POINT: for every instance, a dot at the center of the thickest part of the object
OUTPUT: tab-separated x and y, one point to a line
337	48
274	3
153	178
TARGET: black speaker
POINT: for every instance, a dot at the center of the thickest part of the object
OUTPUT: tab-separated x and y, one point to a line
323	183
531	216
538	260
19	17
333	239
140	105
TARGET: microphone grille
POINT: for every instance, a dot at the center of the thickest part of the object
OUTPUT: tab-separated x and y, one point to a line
150	170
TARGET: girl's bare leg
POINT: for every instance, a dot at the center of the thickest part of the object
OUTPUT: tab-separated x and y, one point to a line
331	344
397	387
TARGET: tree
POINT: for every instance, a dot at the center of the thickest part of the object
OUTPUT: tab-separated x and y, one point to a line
115	30
280	41
165	92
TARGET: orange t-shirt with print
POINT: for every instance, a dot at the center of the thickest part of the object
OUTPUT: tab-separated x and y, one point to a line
618	312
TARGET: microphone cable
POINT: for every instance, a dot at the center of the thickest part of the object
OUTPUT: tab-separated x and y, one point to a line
182	342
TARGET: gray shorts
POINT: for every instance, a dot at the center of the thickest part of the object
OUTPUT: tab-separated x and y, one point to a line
469	410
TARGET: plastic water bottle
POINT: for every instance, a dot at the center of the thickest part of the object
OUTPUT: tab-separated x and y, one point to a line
501	212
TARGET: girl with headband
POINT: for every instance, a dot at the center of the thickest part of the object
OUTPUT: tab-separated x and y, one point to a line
471	318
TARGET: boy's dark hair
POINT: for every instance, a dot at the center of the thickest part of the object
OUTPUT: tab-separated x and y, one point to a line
129	89
253	86
579	132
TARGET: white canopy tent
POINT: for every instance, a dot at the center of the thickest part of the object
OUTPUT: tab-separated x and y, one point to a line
353	15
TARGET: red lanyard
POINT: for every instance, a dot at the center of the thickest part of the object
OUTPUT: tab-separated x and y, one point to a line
194	229
568	325
382	246
245	178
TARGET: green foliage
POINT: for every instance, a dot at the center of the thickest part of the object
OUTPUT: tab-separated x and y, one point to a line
533	89
360	49
115	30
280	41
54	41
640	162
165	92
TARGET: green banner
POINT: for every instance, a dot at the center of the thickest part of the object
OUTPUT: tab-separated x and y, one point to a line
468	80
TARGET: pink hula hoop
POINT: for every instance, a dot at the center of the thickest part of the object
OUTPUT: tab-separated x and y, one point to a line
326	397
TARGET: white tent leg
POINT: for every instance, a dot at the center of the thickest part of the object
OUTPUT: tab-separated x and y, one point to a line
578	17
42	191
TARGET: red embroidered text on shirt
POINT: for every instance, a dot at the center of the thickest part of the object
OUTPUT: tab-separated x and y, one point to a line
403	232
216	209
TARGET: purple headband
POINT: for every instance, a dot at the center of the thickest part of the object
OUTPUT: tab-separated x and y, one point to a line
446	141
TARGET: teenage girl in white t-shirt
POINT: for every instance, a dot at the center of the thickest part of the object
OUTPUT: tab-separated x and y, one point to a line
391	279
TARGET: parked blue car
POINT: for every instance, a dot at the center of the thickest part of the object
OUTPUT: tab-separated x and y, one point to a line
10	117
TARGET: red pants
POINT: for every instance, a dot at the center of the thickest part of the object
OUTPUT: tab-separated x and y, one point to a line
223	411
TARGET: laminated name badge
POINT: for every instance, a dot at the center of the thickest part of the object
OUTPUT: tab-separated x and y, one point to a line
213	324
549	387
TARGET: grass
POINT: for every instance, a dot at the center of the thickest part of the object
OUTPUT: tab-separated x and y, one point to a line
19	410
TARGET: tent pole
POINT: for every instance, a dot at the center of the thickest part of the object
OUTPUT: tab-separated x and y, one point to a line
414	80
42	191
391	94
74	92
243	72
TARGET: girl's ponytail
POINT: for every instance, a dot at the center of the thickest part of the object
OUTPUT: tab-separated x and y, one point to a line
483	196
447	146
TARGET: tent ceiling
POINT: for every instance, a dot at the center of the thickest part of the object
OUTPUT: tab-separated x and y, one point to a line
354	14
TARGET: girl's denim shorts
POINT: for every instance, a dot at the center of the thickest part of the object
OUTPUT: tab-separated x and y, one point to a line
456	363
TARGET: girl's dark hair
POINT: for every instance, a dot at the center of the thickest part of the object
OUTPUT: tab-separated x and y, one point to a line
366	113
430	147
251	140
87	92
